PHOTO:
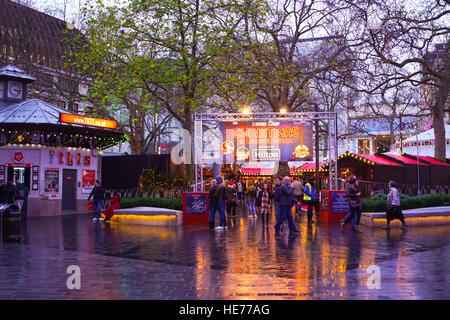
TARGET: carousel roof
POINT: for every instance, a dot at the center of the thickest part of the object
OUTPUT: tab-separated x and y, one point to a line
11	71
34	111
38	112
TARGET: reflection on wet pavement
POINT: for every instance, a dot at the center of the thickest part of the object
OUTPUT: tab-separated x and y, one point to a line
246	261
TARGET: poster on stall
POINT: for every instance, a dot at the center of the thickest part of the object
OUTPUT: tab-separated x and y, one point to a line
88	181
51	180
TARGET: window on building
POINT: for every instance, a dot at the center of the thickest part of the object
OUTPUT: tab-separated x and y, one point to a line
61	104
364	146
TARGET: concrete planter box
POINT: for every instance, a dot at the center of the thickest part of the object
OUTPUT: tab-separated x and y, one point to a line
413	217
148	216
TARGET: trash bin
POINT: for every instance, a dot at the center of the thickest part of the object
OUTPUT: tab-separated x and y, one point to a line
11	222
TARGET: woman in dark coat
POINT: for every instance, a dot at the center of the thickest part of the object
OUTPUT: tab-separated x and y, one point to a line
115	204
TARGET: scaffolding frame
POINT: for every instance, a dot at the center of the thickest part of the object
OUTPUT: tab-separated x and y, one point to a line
330	117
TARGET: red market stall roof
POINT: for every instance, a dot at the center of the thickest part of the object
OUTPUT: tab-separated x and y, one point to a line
308	167
370	159
406	160
256	171
429	160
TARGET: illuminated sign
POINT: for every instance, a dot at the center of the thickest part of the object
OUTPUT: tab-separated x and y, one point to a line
87	121
282	140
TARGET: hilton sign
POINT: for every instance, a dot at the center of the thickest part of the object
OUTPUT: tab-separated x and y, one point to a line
266	154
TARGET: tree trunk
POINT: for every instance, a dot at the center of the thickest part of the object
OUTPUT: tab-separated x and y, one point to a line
438	121
187	124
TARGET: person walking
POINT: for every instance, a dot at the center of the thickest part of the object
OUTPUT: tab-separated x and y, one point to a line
98	194
9	192
239	192
286	202
251	196
393	206
276	198
212	204
3	195
309	196
20	193
115	204
296	192
354	200
231	200
221	197
265	198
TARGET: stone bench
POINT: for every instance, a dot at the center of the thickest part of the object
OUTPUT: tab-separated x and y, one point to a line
413	217
148	216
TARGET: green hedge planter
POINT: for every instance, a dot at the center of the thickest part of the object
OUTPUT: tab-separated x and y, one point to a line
423	201
176	204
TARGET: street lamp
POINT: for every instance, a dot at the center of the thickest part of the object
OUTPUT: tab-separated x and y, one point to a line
246	110
316	125
283	110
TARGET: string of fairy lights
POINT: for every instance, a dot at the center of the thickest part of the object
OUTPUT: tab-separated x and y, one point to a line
55	139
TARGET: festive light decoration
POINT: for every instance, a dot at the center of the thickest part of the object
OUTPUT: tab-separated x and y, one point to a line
59	139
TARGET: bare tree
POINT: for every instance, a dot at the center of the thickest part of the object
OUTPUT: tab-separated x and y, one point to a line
403	35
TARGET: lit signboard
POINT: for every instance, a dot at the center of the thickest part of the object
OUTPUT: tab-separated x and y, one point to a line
266	141
87	121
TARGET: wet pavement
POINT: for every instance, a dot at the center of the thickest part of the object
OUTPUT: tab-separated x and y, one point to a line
245	261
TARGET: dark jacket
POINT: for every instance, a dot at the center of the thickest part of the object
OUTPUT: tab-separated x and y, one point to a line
97	193
9	192
212	199
276	188
286	198
220	194
231	194
20	192
3	197
351	191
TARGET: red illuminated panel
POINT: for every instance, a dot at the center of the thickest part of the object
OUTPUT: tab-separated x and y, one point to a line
266	132
88	121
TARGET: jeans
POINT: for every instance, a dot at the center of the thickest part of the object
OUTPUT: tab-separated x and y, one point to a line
276	205
97	208
212	212
223	218
285	213
251	207
355	215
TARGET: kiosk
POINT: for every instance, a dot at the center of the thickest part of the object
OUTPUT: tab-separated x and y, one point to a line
195	208
52	151
333	205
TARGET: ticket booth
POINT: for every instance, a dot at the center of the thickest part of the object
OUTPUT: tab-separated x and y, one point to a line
333	205
195	208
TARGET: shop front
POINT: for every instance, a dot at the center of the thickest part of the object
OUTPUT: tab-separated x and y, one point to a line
59	180
51	151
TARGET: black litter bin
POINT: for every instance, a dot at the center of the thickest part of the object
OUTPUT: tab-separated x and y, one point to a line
11	222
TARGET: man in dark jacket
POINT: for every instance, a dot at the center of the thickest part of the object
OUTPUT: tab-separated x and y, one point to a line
221	197
276	198
3	197
9	192
285	206
98	195
21	197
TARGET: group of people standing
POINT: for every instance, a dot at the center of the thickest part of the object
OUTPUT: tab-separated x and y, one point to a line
225	196
18	194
